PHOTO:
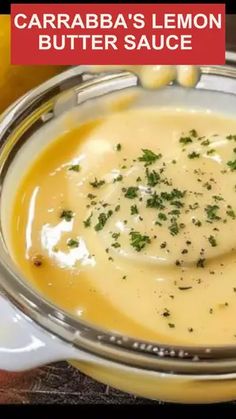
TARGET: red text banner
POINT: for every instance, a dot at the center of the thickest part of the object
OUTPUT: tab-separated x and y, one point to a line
117	34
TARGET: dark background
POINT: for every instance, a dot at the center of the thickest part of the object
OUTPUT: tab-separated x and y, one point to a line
231	32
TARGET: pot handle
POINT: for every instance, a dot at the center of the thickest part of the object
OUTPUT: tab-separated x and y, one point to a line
24	345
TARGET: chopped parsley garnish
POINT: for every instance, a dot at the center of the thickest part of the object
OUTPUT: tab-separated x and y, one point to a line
118	147
232	165
194	206
155	202
177	204
231	137
174	194
131	192
149	157
201	263
118	179
185	288
87	223
116	245
211	211
153	178
171	325
75	167
133	209
218	198
162	216
193	155
207	185
231	213
185	140
212	241
139	241
102	219
174	212
209	152
166	313
193	133
174	228
115	236
205	142
96	183
196	222
67	215
73	243
91	196
117	208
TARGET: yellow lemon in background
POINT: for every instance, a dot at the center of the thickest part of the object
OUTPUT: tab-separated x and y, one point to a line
17	80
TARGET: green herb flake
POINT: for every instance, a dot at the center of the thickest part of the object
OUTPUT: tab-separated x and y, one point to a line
211	211
185	140
171	325
193	155
75	168
207	185
231	137
153	178
118	179
87	223
162	216
131	192
116	245
174	228
209	152
193	133
115	236
73	243
118	147
102	219
67	215
149	157
205	142
134	209
232	165
139	241
166	313
212	241
201	263
218	198
91	196
231	213
96	183
155	201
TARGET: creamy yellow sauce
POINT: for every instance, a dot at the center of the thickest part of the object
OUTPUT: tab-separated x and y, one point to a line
128	222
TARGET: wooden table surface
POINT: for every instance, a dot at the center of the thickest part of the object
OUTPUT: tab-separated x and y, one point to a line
60	383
